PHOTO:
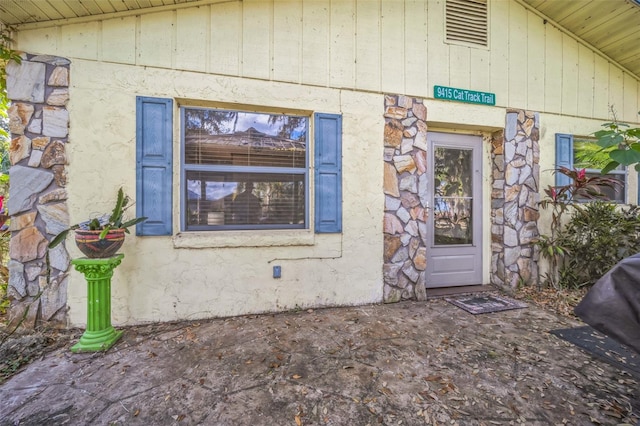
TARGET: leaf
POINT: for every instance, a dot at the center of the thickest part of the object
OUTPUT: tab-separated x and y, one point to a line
133	222
601	133
59	238
634	132
296	376
625	157
610	139
611	166
385	391
116	214
104	232
298	420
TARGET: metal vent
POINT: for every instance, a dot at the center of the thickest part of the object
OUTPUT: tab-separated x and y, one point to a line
467	22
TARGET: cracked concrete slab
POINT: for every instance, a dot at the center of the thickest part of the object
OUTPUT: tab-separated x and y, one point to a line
407	363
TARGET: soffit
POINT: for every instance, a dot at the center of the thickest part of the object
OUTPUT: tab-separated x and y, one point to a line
17	12
611	26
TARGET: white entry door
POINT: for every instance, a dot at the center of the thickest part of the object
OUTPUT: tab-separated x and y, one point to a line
454	225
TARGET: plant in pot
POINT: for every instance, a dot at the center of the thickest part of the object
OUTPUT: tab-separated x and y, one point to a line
102	236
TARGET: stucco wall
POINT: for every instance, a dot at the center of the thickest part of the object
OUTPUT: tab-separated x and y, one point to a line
222	273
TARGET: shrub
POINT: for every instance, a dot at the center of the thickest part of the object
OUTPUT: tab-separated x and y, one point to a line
561	200
597	236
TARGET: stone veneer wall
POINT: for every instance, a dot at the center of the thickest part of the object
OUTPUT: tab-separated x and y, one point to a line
405	185
39	123
515	154
515	196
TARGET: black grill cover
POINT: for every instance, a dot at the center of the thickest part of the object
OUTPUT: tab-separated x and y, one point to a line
612	305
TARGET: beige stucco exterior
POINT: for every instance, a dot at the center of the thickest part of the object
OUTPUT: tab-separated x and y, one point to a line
318	56
194	275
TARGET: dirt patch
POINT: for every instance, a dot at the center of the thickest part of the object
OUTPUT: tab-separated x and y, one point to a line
19	348
559	301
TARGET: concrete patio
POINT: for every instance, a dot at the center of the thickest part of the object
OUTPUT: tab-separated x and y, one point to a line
407	363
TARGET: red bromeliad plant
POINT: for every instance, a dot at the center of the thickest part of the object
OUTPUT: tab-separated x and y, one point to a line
581	188
561	198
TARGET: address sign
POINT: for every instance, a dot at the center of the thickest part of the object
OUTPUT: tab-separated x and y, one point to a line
464	95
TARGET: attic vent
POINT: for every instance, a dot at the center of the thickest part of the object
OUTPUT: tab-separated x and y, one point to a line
467	21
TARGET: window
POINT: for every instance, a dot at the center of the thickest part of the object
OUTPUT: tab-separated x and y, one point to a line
584	153
239	169
243	170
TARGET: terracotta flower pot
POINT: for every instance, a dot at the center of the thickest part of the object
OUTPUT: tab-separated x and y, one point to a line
93	247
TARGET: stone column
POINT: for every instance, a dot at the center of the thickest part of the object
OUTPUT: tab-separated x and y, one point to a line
405	184
39	124
515	196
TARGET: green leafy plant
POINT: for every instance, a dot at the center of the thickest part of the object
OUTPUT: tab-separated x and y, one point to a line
597	236
5	236
6	55
562	199
105	222
4	272
621	142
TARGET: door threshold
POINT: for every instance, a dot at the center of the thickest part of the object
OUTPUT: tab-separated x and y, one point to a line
439	292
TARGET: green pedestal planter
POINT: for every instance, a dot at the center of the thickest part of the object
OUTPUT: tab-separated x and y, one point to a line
100	334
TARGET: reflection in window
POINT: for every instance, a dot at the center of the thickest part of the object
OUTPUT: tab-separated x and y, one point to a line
244	170
252	199
453	200
591	157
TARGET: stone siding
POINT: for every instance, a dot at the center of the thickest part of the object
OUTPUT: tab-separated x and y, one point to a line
39	124
515	154
406	205
515	197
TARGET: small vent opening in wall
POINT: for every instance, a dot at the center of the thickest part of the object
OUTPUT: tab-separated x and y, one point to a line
467	22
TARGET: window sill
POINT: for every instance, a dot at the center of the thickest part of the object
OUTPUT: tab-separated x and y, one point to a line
271	238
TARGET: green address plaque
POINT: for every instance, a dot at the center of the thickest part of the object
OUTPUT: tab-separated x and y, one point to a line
464	95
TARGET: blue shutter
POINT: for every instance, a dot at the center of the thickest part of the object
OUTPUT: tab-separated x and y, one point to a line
328	173
564	157
154	171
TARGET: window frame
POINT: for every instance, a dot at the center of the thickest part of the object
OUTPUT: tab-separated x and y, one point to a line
259	170
565	156
618	172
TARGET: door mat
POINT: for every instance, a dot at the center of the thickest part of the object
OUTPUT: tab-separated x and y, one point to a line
483	303
601	346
